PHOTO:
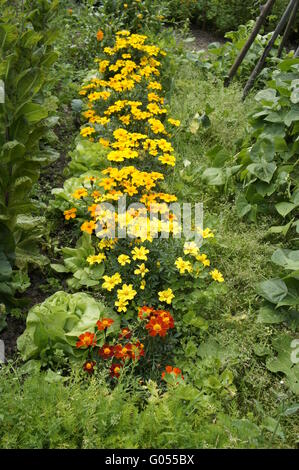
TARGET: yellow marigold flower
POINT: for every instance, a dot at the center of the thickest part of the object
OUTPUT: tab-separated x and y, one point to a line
70	214
100	35
167	159
123	260
121	305
107	244
156	126
183	265
111	281
103	120
143	284
154	86
217	276
125	119
190	248
104	142
88	227
103	65
141	270
96	258
140	253
166	296
79	193
117	278
126	292
174	122
207	233
203	259
86	131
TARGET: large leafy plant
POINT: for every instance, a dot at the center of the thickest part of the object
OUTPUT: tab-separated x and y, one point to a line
282	293
26	117
53	327
219	58
269	171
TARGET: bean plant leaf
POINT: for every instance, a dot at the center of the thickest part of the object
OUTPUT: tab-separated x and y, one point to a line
285	361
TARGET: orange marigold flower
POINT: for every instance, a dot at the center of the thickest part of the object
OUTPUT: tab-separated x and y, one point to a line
166	318
86	339
125	334
144	312
115	370
70	214
88	227
106	351
175	371
156	327
100	35
105	323
89	367
137	350
79	193
122	352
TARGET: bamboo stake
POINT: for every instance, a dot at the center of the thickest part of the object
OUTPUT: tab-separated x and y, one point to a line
288	29
259	66
266	9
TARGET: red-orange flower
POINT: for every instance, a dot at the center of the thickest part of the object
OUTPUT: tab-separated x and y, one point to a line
115	370
89	366
86	340
100	35
144	312
106	351
156	327
137	350
125	334
122	352
175	371
166	318
105	323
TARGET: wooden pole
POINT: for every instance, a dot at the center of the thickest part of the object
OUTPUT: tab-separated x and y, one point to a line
288	29
259	66
265	10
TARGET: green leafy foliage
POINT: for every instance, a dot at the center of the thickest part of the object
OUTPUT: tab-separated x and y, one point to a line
283	362
96	416
282	294
219	58
56	324
269	169
75	262
225	15
87	156
26	116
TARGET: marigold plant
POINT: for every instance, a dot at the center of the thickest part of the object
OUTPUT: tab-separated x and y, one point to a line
126	114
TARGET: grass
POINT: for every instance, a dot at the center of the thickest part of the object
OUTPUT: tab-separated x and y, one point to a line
242	251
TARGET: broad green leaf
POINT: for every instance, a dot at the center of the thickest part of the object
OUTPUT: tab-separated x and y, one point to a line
292	115
273	290
214	176
282	344
242	206
269	315
288	259
34	112
263	170
284	208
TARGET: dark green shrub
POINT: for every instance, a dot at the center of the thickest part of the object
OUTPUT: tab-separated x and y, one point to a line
26	117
